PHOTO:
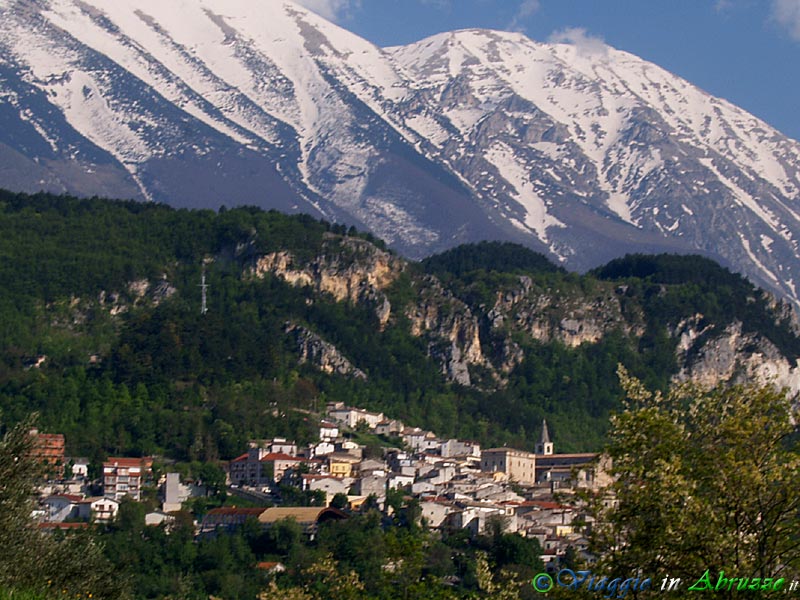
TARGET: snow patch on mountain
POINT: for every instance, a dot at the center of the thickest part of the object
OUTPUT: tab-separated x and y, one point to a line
577	147
537	218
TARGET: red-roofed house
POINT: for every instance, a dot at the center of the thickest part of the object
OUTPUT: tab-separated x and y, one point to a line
257	467
241	470
275	464
124	477
49	449
271	567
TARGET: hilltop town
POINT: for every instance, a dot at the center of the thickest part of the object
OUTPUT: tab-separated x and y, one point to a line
456	484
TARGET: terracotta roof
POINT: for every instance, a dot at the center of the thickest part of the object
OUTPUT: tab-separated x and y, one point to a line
57	437
234	510
280	456
144	462
70	497
268	566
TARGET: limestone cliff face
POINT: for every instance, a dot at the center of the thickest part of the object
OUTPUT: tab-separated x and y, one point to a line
139	291
348	268
570	318
452	330
314	350
467	337
731	356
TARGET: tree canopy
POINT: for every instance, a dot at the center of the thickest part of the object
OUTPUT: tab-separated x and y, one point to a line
705	480
35	562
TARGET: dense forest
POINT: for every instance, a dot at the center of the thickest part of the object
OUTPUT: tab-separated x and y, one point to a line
121	371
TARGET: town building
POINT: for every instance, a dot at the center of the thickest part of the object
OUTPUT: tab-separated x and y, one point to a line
452	448
308	517
545	446
582	470
48	448
516	464
60	507
80	467
275	464
125	476
328	430
247	469
174	492
389	427
342	465
227	519
351	417
98	508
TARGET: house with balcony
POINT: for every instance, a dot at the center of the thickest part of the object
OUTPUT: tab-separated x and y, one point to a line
125	476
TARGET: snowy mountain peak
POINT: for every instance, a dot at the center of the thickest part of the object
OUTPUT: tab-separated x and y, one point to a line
571	147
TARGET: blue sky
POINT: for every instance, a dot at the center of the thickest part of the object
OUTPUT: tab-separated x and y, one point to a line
747	51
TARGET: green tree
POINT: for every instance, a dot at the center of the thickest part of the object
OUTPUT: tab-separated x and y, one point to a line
340	501
30	559
705	479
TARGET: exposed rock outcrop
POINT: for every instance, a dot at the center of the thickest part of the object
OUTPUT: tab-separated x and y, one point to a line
452	331
136	292
348	268
731	357
548	315
325	356
461	337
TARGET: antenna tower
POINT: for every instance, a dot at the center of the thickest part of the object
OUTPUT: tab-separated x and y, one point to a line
203	293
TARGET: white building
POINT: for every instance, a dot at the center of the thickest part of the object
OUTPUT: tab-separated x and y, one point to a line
397	480
98	508
351	417
176	493
60	507
328	430
452	447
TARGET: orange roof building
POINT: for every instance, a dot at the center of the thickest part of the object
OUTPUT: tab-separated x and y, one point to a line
49	449
124	477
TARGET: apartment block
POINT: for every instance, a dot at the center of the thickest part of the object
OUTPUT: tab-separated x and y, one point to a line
124	477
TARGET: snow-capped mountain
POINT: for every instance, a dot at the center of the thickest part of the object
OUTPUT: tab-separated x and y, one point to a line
582	151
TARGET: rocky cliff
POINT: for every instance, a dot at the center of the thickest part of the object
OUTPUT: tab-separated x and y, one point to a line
466	336
711	357
348	269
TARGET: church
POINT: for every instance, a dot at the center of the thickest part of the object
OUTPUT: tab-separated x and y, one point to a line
585	469
544	466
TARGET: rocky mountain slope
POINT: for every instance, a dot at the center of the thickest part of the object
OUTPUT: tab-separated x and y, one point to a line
102	329
466	333
580	151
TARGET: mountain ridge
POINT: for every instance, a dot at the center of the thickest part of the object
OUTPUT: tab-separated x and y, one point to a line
99	295
581	151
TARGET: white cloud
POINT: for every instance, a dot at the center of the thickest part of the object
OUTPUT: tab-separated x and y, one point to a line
577	36
786	13
333	10
722	6
440	4
526	9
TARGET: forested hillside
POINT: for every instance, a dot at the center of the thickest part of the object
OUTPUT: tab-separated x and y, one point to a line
101	330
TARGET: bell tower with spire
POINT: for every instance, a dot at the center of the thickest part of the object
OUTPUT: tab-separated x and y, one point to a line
545	446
